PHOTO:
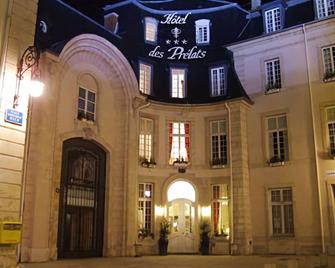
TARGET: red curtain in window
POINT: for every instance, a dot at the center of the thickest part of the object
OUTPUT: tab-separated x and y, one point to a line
187	140
170	138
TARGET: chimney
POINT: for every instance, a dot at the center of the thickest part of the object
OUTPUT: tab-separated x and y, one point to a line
255	4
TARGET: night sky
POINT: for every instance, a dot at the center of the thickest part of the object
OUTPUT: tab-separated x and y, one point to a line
93	8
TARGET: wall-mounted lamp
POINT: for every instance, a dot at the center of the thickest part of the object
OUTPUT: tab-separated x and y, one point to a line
29	59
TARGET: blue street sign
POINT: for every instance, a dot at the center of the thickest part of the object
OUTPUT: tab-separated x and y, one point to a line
14	117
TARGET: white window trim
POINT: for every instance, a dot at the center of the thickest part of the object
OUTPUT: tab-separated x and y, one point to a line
272	13
225	150
145	153
220	92
330	70
200	37
86	104
323	4
180	91
281	203
268	149
147	81
144	200
154	23
180	139
277	80
328	122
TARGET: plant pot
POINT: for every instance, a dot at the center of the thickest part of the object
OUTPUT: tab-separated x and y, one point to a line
204	246
163	246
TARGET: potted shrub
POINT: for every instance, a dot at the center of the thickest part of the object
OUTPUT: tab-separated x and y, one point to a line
163	237
276	161
205	229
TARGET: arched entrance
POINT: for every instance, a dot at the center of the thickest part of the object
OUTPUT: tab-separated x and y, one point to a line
181	213
81	211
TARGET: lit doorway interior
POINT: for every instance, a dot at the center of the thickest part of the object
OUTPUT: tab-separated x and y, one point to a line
181	214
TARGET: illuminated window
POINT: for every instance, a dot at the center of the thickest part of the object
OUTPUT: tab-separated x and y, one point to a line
145	78
181	190
145	207
218	81
218	142
178	83
86	104
281	211
151	25
331	130
273	78
329	62
325	8
220	209
179	141
202	31
112	22
272	20
145	139
277	138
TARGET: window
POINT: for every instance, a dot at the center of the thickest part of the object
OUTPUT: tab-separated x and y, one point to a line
272	20
277	138
331	130
281	211
178	83
218	143
273	79
150	30
86	104
145	211
329	62
220	209
112	22
179	141
145	78
145	139
202	31
325	8
218	81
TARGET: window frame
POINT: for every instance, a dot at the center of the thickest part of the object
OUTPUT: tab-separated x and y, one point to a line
224	161
199	36
83	115
277	160
184	90
283	218
115	27
330	147
274	26
324	5
147	22
276	76
146	64
145	200
146	158
328	73
218	67
219	202
186	135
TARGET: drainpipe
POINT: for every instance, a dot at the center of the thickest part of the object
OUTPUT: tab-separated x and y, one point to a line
314	139
4	47
231	180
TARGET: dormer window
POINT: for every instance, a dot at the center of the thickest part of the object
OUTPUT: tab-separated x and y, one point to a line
325	8
150	30
202	31
272	20
145	78
112	22
218	81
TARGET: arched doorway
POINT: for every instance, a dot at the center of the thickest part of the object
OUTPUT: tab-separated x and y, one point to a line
81	205
181	214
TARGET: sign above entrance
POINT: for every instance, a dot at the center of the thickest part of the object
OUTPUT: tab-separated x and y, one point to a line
13	117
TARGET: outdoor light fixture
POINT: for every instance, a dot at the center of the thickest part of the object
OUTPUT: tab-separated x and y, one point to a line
29	59
181	164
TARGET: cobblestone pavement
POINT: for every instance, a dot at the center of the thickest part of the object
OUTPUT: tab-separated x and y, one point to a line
192	261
